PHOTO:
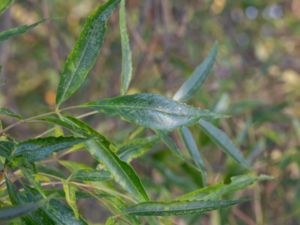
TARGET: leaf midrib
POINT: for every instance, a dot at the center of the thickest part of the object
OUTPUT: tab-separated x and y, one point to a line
146	108
79	64
110	154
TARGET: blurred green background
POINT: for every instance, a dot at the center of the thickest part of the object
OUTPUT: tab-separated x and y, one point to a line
256	80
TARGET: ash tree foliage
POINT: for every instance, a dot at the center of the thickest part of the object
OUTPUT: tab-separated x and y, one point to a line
33	192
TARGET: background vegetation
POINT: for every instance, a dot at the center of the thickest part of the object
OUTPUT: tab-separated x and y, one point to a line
255	79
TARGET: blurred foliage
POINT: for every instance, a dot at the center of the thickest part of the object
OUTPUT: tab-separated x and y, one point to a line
256	79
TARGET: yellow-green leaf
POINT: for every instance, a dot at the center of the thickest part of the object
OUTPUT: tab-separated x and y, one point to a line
4	4
4	35
70	194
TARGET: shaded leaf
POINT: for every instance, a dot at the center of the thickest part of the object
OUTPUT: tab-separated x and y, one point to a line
16	198
221	139
52	171
53	213
61	214
91	175
136	148
6	148
121	171
193	151
151	110
170	143
83	56
195	81
39	149
7	213
8	112
4	35
74	166
126	52
4	4
81	172
178	207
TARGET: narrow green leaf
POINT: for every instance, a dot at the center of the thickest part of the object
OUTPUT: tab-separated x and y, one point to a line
61	214
4	4
29	173
171	144
70	194
121	171
83	56
83	173
151	110
178	207
91	176
4	35
6	148
49	170
192	85
217	191
8	112
74	166
111	221
100	148
16	198
75	125
38	149
193	151
126	52
7	213
136	148
53	213
221	139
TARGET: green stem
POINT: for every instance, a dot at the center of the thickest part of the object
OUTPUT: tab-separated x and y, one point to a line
57	111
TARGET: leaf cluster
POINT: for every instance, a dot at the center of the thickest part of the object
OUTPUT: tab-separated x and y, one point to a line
35	192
